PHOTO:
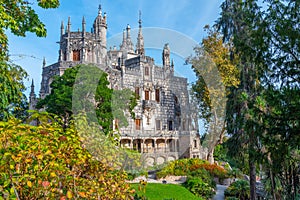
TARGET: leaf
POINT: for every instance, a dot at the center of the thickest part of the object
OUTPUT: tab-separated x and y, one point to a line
69	194
29	184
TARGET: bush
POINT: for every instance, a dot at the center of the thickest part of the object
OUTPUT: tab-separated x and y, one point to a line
205	176
49	162
198	187
239	189
185	166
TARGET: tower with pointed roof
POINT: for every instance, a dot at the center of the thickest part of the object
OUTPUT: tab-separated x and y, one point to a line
32	97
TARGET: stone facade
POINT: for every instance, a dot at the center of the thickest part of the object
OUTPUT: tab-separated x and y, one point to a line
164	128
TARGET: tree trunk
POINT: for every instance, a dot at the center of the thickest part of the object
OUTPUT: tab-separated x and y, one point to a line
252	179
252	167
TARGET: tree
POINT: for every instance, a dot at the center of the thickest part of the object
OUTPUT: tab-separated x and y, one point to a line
59	102
19	17
49	162
84	89
216	72
240	22
266	40
11	86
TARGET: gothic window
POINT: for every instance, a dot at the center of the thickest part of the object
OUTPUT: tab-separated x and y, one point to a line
175	99
146	71
158	125
116	124
170	125
76	55
195	143
137	124
183	125
64	55
157	96
137	92
147	95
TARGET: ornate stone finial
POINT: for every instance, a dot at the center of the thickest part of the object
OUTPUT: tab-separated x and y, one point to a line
32	94
62	28
140	40
100	10
83	24
140	19
32	84
69	24
44	62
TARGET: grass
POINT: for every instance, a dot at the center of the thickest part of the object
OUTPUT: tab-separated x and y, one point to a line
158	191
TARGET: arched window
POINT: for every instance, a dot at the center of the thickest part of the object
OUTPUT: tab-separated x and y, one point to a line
147	71
157	96
76	55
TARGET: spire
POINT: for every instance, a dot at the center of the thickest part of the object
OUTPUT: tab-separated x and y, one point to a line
140	19
62	28
100	10
69	25
83	25
44	63
32	94
32	98
140	40
123	46
166	55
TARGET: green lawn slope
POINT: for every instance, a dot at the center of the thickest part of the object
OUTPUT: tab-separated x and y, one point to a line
158	191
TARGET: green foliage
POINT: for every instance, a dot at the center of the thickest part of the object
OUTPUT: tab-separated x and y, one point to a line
189	166
85	88
19	17
220	152
239	189
199	187
13	102
49	162
59	102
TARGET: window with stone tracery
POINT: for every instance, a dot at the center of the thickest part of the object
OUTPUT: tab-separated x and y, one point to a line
147	95
137	92
158	127
137	124
157	95
76	55
146	71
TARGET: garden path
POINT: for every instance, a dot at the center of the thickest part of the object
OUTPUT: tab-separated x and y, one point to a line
220	192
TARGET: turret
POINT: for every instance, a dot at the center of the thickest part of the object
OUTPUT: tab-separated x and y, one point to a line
62	29
128	39
100	27
166	56
140	39
123	46
69	25
32	98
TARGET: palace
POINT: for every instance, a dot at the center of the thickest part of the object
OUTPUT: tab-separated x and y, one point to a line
165	127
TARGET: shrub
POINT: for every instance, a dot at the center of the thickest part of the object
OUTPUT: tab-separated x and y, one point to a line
204	175
49	162
198	187
239	189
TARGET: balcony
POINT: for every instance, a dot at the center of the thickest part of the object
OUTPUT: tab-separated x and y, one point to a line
149	104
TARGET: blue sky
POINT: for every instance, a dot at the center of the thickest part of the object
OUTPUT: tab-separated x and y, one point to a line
186	17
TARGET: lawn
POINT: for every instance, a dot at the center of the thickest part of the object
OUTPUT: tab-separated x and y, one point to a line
158	191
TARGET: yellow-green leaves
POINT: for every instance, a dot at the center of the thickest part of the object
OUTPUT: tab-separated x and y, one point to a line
48	162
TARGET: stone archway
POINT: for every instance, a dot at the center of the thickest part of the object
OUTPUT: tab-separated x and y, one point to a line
160	143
